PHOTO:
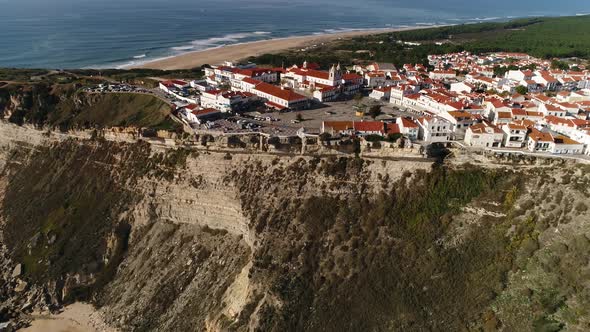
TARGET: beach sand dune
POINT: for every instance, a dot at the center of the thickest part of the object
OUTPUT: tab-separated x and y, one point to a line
241	51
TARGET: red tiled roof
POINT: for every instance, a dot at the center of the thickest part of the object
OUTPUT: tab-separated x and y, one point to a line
408	123
560	139
482	128
460	114
518	111
284	94
311	72
552	108
392	128
275	105
351	77
515	126
204	112
580	122
251	80
339	125
539	136
525	123
534	114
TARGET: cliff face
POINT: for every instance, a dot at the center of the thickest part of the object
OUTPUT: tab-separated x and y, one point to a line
165	239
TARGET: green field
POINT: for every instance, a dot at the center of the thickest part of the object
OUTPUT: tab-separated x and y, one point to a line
541	37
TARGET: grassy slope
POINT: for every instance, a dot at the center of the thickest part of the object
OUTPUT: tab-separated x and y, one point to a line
119	110
62	106
542	37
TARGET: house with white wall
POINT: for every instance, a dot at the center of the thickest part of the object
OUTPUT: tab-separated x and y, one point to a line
514	135
539	141
485	135
434	129
408	127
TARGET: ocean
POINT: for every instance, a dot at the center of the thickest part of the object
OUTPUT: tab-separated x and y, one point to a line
117	33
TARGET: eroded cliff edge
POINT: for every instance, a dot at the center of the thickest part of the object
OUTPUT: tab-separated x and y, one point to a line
174	239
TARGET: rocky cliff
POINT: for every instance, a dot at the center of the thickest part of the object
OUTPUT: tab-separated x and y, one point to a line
176	239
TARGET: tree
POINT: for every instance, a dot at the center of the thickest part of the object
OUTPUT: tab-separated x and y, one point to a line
299	117
394	137
375	111
500	71
521	89
556	64
373	138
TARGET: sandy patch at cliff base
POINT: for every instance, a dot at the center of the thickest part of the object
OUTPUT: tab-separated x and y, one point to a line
78	317
244	50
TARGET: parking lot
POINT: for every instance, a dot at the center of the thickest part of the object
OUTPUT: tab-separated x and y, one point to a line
336	111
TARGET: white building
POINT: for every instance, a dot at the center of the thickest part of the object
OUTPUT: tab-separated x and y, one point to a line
462	87
381	93
539	141
434	129
547	110
442	74
223	100
375	79
279	98
172	85
519	75
194	115
514	135
408	128
583	136
484	135
398	93
565	145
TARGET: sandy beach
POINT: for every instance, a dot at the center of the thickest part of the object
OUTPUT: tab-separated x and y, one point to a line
77	317
244	50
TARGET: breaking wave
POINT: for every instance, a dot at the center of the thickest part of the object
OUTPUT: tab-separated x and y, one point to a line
232	38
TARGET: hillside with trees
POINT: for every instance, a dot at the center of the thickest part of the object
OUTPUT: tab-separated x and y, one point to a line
540	37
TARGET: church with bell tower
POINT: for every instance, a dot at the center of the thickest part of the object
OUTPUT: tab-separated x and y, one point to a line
335	74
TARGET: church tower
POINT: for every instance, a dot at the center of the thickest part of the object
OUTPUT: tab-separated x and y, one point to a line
335	74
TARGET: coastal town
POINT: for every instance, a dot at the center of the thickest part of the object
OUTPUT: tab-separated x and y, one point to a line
509	102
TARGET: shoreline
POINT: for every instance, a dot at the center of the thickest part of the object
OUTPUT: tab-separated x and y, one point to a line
240	51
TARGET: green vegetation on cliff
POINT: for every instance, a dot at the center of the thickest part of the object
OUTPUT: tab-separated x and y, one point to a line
337	243
540	37
408	258
63	203
63	106
369	262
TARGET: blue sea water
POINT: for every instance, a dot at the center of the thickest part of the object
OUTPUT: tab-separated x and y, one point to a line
114	33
